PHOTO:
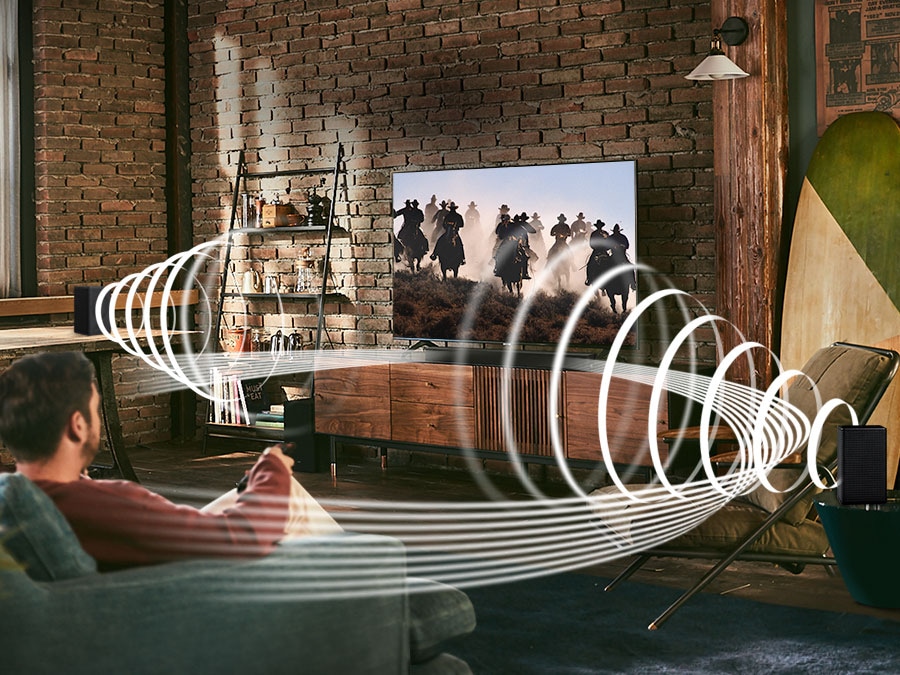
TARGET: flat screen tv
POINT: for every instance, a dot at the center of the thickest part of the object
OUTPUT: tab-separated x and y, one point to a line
503	255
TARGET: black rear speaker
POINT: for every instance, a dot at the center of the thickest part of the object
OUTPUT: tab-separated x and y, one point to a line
85	316
299	428
862	465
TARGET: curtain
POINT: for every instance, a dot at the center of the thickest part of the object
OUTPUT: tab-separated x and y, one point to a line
10	259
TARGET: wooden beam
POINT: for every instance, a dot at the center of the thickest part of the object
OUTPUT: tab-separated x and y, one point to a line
750	118
65	304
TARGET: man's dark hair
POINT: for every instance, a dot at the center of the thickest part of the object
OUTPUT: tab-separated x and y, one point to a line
38	395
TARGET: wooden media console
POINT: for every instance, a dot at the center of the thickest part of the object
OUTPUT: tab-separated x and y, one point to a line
452	408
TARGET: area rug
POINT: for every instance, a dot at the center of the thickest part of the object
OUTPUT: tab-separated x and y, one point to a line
567	624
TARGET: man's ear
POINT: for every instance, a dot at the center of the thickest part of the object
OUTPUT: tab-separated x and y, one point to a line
77	427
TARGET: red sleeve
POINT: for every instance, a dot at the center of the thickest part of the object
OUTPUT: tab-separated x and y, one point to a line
122	524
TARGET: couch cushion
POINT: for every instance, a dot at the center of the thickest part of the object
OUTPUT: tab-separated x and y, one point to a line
37	535
437	614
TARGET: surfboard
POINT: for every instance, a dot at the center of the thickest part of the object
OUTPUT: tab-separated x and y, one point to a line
843	273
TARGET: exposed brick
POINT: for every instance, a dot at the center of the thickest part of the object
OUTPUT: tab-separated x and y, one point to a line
405	84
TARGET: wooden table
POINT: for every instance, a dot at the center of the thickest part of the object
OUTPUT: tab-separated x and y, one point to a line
17	342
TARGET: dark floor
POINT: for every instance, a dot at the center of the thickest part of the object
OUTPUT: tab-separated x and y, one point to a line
184	474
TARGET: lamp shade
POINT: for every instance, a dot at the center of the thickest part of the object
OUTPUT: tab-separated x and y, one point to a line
716	66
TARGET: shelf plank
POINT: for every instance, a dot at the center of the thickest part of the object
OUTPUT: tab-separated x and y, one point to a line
248	431
278	173
65	304
276	230
287	296
298	229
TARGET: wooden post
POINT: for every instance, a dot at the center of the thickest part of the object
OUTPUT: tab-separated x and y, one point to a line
750	168
182	403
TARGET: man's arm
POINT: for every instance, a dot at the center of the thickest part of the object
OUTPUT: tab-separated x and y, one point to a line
122	524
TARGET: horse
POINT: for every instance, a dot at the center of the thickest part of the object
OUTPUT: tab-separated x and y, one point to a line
560	249
512	264
620	284
415	246
449	251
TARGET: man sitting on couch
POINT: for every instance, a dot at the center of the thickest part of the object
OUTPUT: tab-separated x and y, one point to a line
50	421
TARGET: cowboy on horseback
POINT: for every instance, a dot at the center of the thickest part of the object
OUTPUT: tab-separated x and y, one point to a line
449	246
415	244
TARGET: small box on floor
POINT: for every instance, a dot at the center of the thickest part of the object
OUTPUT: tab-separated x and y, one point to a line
85	310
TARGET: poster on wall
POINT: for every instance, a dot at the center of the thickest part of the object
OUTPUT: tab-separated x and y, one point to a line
857	58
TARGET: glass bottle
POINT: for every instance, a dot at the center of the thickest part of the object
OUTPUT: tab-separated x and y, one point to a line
305	273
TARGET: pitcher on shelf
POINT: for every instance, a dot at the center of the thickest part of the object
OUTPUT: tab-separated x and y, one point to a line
251	282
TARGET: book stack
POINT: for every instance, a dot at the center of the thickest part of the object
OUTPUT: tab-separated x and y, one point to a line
269	420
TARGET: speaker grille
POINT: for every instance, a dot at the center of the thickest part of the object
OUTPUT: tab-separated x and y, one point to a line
862	460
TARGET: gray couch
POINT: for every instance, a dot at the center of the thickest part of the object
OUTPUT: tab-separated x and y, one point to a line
277	614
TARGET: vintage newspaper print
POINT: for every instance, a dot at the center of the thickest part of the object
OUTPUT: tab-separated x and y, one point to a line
857	57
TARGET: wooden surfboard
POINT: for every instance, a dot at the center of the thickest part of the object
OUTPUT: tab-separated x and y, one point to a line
843	274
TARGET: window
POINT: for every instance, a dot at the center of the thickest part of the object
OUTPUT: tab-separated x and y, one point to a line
10	153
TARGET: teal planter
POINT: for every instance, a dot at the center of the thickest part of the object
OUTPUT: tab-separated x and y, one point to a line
866	544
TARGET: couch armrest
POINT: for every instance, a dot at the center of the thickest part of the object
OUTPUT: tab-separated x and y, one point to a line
319	605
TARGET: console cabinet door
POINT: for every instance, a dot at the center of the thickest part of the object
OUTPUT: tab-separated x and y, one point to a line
354	402
627	416
432	404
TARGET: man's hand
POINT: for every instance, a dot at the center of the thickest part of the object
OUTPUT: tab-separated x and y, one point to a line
278	451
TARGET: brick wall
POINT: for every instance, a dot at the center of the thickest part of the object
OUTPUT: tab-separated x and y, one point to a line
416	84
100	161
405	84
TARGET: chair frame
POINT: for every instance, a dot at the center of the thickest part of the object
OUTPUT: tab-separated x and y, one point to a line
740	551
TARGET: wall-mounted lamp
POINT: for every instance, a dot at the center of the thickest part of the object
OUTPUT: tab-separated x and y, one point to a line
717	66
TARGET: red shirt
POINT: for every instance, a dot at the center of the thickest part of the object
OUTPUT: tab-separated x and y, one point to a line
122	524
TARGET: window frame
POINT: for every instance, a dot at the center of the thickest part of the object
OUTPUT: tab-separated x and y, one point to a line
27	211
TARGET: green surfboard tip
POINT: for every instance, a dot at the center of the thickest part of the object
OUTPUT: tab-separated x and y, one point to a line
855	170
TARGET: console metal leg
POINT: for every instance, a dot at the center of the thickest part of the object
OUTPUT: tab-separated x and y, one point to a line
332	447
383	452
103	364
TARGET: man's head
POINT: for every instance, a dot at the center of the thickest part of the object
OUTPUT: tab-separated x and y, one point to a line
45	399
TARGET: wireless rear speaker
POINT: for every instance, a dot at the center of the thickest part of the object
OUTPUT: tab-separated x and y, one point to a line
85	315
862	465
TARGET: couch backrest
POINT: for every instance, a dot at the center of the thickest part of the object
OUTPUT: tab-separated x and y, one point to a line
36	535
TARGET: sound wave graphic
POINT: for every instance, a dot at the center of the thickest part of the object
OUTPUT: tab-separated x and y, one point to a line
499	540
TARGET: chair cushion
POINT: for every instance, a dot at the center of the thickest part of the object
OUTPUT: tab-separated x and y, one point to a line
781	479
37	535
437	614
731	524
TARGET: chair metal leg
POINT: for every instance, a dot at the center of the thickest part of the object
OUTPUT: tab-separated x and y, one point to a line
633	567
693	590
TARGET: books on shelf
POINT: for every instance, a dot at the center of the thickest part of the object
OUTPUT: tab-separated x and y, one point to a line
229	401
230	404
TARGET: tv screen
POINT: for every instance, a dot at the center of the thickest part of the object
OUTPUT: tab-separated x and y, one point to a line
504	254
